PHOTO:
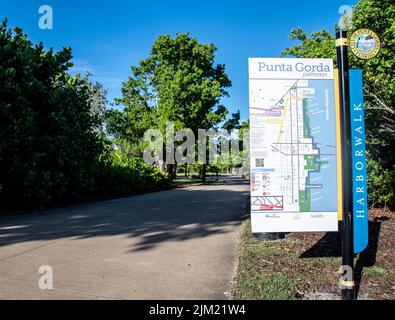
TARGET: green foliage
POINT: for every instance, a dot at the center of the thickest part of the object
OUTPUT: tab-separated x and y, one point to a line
177	82
262	269
380	184
47	145
52	147
320	44
379	77
123	176
379	87
233	122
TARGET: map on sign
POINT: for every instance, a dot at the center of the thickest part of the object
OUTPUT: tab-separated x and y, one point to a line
293	145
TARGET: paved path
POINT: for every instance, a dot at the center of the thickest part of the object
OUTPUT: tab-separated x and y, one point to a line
176	244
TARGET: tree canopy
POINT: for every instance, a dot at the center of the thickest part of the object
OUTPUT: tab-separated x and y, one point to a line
52	147
179	82
379	87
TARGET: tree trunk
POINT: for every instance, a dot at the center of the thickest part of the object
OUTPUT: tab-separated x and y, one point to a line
162	166
204	173
170	173
175	171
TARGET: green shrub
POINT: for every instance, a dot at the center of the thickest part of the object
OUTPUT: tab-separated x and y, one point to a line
123	176
52	150
381	182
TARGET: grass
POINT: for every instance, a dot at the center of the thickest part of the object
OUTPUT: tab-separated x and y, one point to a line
266	287
275	270
306	265
375	272
256	276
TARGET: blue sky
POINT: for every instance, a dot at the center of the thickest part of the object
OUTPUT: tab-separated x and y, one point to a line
108	37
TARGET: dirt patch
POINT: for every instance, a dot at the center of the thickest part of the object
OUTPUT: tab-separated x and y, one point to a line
306	264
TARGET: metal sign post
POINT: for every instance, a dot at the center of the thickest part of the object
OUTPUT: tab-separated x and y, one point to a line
348	284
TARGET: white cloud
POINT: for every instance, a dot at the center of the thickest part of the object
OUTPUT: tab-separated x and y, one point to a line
108	79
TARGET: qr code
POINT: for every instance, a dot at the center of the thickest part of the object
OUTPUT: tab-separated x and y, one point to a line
259	162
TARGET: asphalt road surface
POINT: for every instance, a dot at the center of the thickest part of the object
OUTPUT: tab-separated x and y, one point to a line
176	244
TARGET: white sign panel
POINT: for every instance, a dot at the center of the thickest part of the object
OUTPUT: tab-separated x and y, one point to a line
293	145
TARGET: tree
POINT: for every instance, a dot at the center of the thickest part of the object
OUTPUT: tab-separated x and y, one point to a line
52	144
233	122
49	143
379	80
232	136
177	82
97	99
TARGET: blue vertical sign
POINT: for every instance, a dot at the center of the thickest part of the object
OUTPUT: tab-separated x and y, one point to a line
360	201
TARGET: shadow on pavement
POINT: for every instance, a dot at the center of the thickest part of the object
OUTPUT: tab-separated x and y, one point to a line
154	218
